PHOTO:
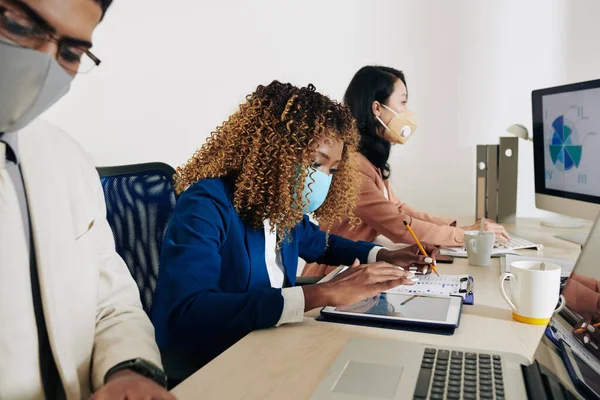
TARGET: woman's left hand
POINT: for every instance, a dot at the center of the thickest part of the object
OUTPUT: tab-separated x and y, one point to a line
410	256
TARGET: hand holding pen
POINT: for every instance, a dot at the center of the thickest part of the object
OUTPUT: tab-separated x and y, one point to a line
423	251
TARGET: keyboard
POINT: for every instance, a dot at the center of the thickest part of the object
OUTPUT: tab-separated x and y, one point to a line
456	375
516	243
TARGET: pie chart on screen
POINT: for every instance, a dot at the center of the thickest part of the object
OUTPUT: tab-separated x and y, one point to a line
565	147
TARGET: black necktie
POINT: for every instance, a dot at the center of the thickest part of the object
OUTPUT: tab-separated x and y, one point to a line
49	373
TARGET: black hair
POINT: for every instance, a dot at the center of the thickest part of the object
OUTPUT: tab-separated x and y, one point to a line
369	84
104	4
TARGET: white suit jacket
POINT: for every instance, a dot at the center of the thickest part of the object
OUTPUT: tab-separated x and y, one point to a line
91	303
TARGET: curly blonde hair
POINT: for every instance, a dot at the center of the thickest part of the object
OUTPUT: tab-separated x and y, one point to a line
267	147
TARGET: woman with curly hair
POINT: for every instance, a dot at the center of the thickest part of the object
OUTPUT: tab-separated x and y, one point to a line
230	254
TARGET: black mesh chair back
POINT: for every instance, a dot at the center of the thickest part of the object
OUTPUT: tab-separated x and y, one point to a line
140	200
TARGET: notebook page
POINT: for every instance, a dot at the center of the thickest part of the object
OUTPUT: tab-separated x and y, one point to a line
432	284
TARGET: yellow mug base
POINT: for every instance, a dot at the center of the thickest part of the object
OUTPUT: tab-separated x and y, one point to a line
531	321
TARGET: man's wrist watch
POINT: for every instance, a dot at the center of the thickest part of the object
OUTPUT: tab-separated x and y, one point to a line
142	367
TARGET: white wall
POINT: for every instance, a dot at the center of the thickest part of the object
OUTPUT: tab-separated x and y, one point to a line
172	71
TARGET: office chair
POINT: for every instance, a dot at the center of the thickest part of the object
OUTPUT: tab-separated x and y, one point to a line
140	200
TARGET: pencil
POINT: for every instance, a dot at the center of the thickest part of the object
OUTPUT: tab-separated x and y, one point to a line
408	300
412	233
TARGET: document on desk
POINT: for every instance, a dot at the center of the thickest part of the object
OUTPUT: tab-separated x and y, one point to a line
565	265
444	285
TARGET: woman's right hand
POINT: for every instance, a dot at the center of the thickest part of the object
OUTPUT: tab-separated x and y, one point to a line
355	284
490	226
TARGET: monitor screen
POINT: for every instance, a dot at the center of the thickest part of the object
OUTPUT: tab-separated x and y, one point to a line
566	126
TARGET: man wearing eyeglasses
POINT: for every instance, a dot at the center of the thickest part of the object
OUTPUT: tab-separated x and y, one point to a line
71	321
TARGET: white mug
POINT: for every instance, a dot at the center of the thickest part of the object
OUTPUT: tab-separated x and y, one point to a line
479	247
534	291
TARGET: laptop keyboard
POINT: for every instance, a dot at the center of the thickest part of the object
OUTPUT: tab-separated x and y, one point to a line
515	243
456	375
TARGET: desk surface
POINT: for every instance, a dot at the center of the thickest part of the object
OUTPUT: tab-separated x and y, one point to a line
290	361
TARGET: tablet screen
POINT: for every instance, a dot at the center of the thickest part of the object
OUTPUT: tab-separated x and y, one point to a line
403	306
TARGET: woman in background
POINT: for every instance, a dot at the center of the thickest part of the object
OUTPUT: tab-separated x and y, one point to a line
378	97
230	254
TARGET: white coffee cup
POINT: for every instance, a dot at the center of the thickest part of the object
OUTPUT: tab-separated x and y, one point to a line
479	247
534	291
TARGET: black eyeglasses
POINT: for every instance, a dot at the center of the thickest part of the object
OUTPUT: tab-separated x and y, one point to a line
19	27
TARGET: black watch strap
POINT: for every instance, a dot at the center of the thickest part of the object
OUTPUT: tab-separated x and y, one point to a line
142	367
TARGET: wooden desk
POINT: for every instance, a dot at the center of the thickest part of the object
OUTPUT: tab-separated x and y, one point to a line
288	362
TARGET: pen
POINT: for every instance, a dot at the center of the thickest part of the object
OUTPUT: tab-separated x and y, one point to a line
420	246
408	300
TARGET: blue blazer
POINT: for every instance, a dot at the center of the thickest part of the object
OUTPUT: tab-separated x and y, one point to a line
213	286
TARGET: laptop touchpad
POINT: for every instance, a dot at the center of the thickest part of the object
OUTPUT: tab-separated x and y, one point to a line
369	379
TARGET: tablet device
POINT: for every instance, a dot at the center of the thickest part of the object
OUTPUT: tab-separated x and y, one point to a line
442	312
584	377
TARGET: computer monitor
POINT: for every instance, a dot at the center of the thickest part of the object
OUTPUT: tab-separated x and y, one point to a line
566	142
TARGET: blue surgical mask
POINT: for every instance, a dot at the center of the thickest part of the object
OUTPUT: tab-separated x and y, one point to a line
318	189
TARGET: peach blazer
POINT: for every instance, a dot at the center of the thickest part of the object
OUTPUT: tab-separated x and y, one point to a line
380	216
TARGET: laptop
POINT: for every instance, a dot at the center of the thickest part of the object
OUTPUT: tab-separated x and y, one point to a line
370	368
